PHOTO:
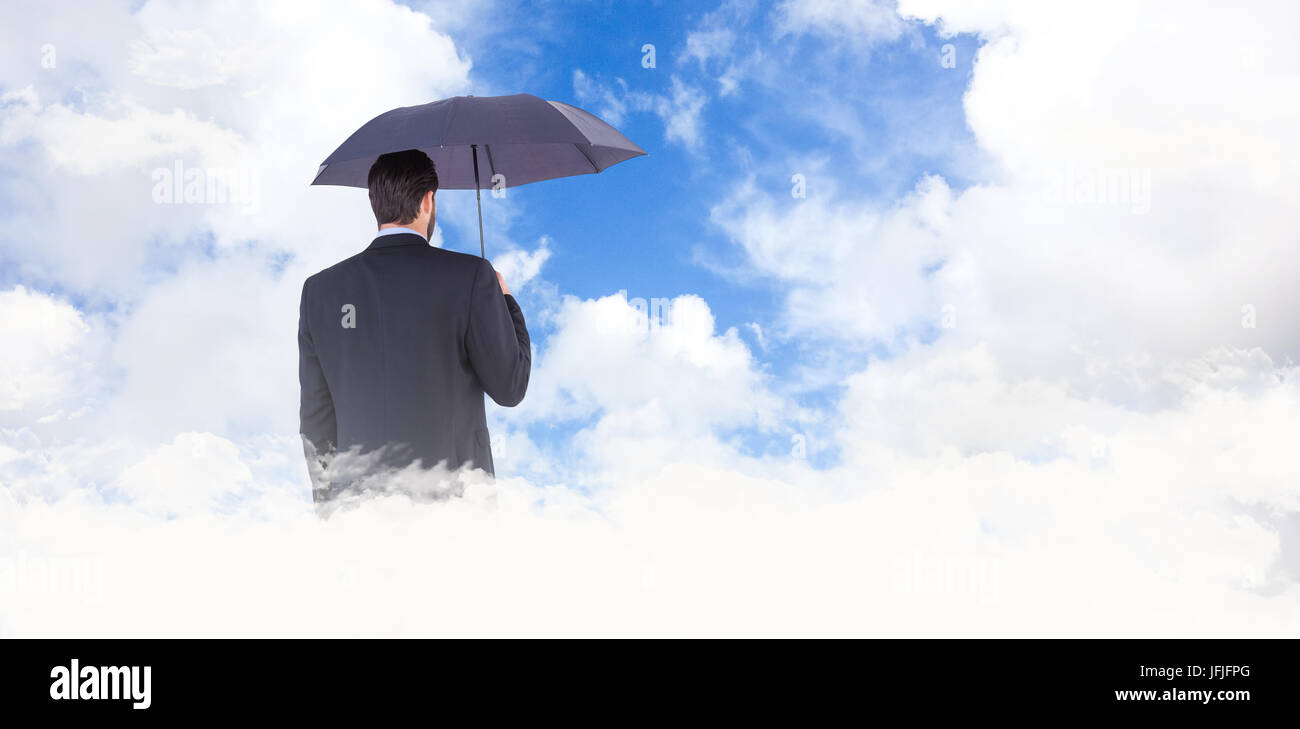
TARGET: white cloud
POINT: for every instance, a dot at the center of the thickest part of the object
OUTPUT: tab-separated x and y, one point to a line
704	45
280	99
1131	538
1053	278
224	359
43	356
519	266
185	59
621	355
190	475
679	110
849	272
680	113
968	502
611	105
860	21
89	144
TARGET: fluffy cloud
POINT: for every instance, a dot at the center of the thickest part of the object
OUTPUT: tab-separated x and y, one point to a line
848	272
256	90
520	266
612	354
1123	219
183	58
44	356
1127	539
189	475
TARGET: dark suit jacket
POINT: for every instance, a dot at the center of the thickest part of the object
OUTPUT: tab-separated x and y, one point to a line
396	346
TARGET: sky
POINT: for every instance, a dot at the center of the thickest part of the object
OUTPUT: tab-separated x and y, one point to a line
964	319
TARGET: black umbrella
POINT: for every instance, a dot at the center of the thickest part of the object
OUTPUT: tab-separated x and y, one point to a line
521	137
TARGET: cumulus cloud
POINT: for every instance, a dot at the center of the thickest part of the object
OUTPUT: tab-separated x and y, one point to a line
1129	539
255	90
189	475
40	362
183	58
847	271
662	352
520	266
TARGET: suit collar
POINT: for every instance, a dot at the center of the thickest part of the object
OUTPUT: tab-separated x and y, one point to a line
397	239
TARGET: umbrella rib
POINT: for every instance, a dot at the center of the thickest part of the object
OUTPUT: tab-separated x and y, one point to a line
491	165
590	161
451	115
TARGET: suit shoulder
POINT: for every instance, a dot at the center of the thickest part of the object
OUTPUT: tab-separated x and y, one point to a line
456	258
329	271
460	264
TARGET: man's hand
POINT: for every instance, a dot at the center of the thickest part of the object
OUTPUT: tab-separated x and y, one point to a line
505	289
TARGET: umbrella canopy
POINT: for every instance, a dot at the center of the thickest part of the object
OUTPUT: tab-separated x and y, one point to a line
521	137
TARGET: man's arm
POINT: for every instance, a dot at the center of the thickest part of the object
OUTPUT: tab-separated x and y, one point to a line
316	420
497	339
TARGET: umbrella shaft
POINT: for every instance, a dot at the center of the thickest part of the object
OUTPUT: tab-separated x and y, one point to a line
478	199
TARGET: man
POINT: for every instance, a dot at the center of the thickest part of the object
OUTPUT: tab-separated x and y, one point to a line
397	344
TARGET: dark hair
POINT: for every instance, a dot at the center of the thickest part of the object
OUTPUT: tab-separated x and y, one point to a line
397	182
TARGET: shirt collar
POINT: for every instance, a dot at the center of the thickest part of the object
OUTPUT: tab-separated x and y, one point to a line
396	236
398	230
